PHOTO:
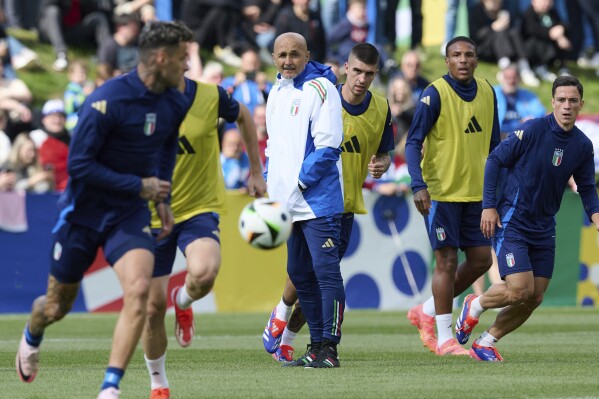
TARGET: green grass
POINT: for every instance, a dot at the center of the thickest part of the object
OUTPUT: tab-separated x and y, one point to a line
553	355
45	83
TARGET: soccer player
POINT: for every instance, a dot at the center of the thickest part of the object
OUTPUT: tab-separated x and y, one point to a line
367	130
456	123
303	172
122	154
540	158
198	197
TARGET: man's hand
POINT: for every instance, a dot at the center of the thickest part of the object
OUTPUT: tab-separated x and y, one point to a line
422	200
595	219
165	214
376	168
256	185
488	220
154	189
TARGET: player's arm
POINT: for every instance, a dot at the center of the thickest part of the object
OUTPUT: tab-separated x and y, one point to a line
496	131
584	176
233	111
380	162
327	132
87	141
427	113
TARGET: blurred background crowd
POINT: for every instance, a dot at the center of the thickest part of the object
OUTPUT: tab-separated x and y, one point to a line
530	42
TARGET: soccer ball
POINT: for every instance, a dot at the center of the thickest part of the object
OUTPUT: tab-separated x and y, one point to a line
264	223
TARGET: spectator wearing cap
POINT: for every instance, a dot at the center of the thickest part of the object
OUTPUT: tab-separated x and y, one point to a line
53	140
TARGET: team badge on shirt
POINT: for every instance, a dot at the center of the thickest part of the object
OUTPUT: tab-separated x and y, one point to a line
294	107
441	234
57	251
510	260
558	154
150	125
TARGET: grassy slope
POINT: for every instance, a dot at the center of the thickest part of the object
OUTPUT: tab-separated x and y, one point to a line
553	355
45	83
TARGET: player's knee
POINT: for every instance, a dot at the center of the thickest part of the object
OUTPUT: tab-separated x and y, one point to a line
56	311
535	301
520	295
156	310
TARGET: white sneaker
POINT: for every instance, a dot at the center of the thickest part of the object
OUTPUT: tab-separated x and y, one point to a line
545	74
60	64
24	59
109	393
529	79
27	361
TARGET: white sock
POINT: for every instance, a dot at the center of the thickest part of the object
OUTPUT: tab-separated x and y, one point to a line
444	330
288	337
475	308
283	312
157	371
487	339
184	301
428	307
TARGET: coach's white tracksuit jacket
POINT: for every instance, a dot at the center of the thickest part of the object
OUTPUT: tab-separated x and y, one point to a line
305	131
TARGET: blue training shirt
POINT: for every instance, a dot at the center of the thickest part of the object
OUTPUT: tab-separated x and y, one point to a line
124	133
540	159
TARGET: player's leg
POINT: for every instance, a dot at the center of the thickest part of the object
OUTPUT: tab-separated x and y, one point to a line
322	237
277	327
129	248
67	266
199	240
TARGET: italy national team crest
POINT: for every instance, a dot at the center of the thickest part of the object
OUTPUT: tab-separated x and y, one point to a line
150	125
441	234
558	154
509	258
295	107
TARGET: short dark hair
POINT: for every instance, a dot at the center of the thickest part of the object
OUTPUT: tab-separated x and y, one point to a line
126	19
366	53
460	39
157	34
567	81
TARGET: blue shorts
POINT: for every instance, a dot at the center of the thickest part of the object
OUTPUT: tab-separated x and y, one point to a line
347	223
184	233
517	256
455	224
76	246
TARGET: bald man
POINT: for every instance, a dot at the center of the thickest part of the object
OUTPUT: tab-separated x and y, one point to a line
303	172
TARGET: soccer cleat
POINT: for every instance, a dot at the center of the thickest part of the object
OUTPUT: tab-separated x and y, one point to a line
465	323
160	393
27	361
326	359
312	351
425	325
184	324
273	332
284	353
485	353
451	347
109	393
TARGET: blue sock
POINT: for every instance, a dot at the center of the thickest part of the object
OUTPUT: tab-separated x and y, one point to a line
112	378
33	340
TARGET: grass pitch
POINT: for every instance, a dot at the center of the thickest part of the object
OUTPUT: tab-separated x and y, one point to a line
554	355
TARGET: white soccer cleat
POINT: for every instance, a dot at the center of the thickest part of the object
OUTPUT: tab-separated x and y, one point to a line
27	361
109	393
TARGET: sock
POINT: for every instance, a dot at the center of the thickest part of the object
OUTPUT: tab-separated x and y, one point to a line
32	340
428	307
112	378
444	330
475	308
288	337
184	301
487	339
157	371
283	312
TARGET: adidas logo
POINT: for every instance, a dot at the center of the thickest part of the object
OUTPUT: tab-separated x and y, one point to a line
473	126
519	134
426	100
328	244
185	146
100	106
351	145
